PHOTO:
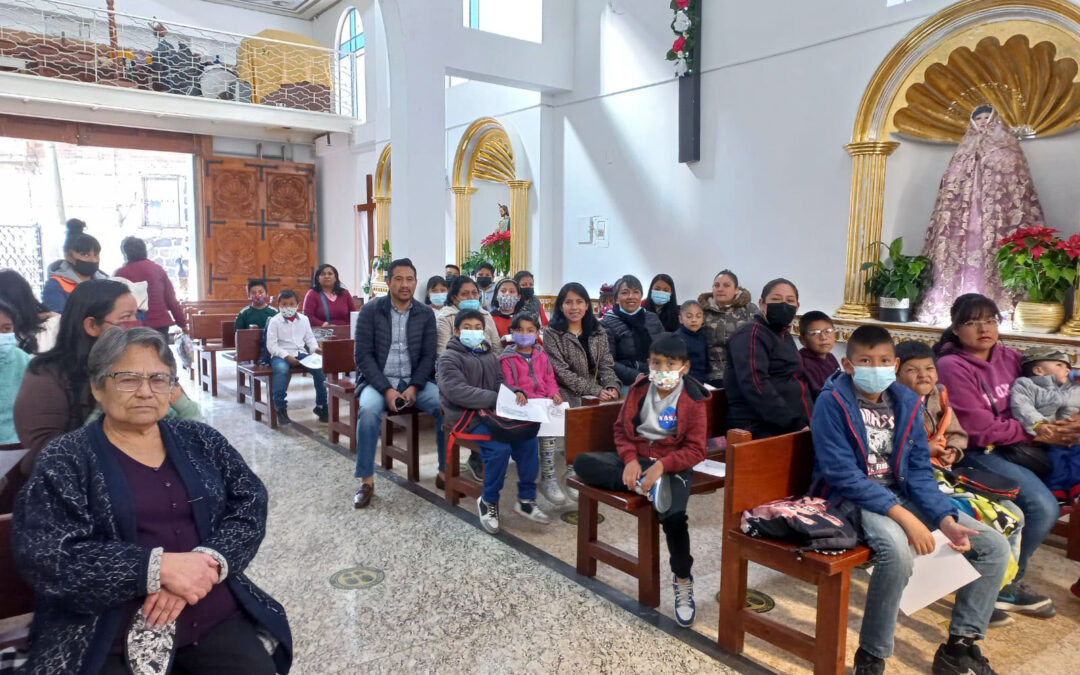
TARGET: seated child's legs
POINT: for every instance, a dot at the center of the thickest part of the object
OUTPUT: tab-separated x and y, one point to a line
1065	468
674	522
279	381
892	567
600	469
1016	537
496	457
319	379
526	455
989	555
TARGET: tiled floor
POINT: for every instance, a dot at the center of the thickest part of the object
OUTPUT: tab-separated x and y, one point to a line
457	600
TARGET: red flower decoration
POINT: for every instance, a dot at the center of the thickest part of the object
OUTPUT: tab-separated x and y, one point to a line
678	45
1037	252
682	3
1071	246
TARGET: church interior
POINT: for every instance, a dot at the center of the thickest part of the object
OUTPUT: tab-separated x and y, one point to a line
886	161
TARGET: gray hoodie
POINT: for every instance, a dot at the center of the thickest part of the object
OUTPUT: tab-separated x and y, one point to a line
1041	399
468	380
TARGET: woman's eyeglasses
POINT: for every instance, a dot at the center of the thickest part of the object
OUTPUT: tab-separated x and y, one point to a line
160	383
981	323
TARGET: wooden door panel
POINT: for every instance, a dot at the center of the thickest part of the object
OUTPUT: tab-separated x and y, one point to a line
260	223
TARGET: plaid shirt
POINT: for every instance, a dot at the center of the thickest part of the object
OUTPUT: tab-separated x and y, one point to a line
398	366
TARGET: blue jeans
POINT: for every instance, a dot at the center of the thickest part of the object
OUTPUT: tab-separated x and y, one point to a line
370	409
496	456
893	561
279	383
1040	508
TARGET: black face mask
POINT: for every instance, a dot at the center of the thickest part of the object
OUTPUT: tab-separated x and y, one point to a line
780	314
449	278
85	268
483	282
527	293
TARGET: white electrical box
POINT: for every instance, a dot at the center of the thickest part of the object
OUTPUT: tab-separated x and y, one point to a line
600	231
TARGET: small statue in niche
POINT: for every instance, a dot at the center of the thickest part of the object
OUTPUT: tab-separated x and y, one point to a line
985	195
504	219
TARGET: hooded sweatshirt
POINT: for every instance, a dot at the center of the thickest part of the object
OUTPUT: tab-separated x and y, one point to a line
979	394
720	324
531	374
682	450
62	281
1042	398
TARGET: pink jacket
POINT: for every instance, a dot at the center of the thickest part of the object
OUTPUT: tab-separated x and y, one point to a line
533	376
979	394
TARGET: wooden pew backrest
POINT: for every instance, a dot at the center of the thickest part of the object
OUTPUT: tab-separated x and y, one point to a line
760	471
248	344
337	357
208	326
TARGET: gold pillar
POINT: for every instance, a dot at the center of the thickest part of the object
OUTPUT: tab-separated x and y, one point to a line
864	222
1072	326
462	218
519	224
382	223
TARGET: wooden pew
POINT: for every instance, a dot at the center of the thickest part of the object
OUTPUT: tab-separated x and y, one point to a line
206	332
338	361
252	378
589	429
758	472
17	598
1070	529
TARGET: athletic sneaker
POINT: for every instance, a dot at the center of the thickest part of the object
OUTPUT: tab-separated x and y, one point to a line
549	487
659	494
529	509
571	493
868	664
967	660
476	466
1000	618
489	516
685	609
1017	597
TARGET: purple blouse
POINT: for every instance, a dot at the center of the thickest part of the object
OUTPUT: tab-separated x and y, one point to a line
163	518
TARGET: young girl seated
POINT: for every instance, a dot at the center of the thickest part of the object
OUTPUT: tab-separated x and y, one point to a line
692	318
469	380
526	367
659	437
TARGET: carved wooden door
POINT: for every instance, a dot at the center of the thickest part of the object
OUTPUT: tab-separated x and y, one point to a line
259	224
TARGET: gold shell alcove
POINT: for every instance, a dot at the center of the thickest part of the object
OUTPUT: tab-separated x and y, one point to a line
1034	91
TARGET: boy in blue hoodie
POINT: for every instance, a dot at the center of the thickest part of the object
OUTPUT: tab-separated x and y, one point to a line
870	447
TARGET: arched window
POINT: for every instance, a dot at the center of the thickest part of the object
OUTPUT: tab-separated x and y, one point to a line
351	89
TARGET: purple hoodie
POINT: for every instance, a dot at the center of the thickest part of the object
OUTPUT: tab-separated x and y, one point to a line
969	380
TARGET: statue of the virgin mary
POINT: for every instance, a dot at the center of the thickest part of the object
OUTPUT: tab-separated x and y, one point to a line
985	195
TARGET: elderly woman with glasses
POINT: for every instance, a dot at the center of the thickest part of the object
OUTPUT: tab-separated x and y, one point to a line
135	530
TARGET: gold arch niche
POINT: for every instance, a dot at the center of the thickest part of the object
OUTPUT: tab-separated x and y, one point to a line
923	58
382	199
485	153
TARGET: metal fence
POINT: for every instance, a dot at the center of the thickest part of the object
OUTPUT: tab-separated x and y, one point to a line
20	250
62	40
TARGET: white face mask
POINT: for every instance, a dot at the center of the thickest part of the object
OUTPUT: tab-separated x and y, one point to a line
288	312
665	379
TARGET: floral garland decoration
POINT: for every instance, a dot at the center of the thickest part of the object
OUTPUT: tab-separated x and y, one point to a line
682	24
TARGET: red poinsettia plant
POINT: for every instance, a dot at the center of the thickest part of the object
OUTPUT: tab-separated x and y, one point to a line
496	249
1035	262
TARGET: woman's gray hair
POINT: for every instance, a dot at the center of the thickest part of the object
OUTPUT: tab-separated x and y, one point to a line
114	343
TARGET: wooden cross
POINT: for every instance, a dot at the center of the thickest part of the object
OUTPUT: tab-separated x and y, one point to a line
690	99
367	208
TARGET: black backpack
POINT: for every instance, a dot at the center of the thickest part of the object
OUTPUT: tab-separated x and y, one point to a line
810	522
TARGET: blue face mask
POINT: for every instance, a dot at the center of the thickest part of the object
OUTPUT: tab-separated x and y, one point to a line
660	297
438	299
465	305
471	338
636	310
874	380
7	343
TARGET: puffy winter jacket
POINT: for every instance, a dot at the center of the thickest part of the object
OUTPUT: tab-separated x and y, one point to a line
683	450
840	449
720	325
628	362
533	376
1042	399
468	380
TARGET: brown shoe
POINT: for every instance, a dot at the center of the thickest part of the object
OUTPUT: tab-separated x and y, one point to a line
363	496
440	482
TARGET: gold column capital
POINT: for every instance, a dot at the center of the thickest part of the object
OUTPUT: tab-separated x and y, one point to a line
382	200
856	148
462	189
519	184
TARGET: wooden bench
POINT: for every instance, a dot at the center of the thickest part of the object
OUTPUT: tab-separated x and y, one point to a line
589	429
1070	529
253	380
17	598
758	472
206	332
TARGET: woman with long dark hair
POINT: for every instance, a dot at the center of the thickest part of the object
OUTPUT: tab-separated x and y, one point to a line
328	303
979	373
663	302
82	255
630	330
31	316
577	347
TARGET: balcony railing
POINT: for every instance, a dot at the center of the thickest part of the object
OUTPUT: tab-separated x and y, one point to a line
66	41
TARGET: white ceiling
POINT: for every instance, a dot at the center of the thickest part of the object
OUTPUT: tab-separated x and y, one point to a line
297	9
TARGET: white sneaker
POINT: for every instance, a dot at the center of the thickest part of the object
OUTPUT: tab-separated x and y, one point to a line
549	487
571	493
685	610
489	516
529	509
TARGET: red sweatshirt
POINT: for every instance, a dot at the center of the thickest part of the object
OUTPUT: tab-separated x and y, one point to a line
683	450
160	296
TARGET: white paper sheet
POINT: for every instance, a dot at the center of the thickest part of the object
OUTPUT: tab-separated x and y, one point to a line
535	410
312	362
936	575
712	467
9	458
556	428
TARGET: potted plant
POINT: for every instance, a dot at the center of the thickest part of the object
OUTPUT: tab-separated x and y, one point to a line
898	281
1038	265
496	248
379	266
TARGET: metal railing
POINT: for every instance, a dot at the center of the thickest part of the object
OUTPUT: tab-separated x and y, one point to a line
63	40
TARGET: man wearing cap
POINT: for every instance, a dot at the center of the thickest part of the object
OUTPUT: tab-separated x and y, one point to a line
1045	401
